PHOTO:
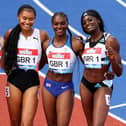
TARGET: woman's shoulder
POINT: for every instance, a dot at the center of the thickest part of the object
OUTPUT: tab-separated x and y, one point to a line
77	43
110	37
112	41
1	41
77	40
7	33
44	35
75	37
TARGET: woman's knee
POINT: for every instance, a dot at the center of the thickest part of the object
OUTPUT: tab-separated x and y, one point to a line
27	122
15	122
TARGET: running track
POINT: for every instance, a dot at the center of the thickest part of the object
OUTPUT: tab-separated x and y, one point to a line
78	118
113	13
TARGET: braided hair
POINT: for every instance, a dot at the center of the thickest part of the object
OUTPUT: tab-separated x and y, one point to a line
12	42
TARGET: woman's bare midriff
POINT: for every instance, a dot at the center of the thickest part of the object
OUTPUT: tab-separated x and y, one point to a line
59	77
95	75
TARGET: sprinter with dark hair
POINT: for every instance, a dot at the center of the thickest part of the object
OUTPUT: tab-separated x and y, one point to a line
23	52
58	90
101	52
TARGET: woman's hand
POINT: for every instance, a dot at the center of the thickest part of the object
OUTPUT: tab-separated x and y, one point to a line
109	75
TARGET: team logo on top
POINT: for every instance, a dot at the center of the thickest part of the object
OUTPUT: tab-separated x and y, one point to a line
59	55
27	51
92	50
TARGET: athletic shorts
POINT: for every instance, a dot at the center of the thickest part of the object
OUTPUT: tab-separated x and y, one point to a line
57	88
24	79
94	86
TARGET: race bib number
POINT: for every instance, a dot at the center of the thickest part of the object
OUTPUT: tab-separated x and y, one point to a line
92	56
59	60
7	91
27	57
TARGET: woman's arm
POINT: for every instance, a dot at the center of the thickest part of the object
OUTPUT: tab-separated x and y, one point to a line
113	53
44	45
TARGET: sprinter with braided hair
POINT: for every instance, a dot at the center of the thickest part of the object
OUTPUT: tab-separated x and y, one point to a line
23	52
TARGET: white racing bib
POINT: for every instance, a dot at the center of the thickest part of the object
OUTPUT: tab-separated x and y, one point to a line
27	58
59	60
92	57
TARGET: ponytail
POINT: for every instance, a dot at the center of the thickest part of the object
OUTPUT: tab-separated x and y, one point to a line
11	49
